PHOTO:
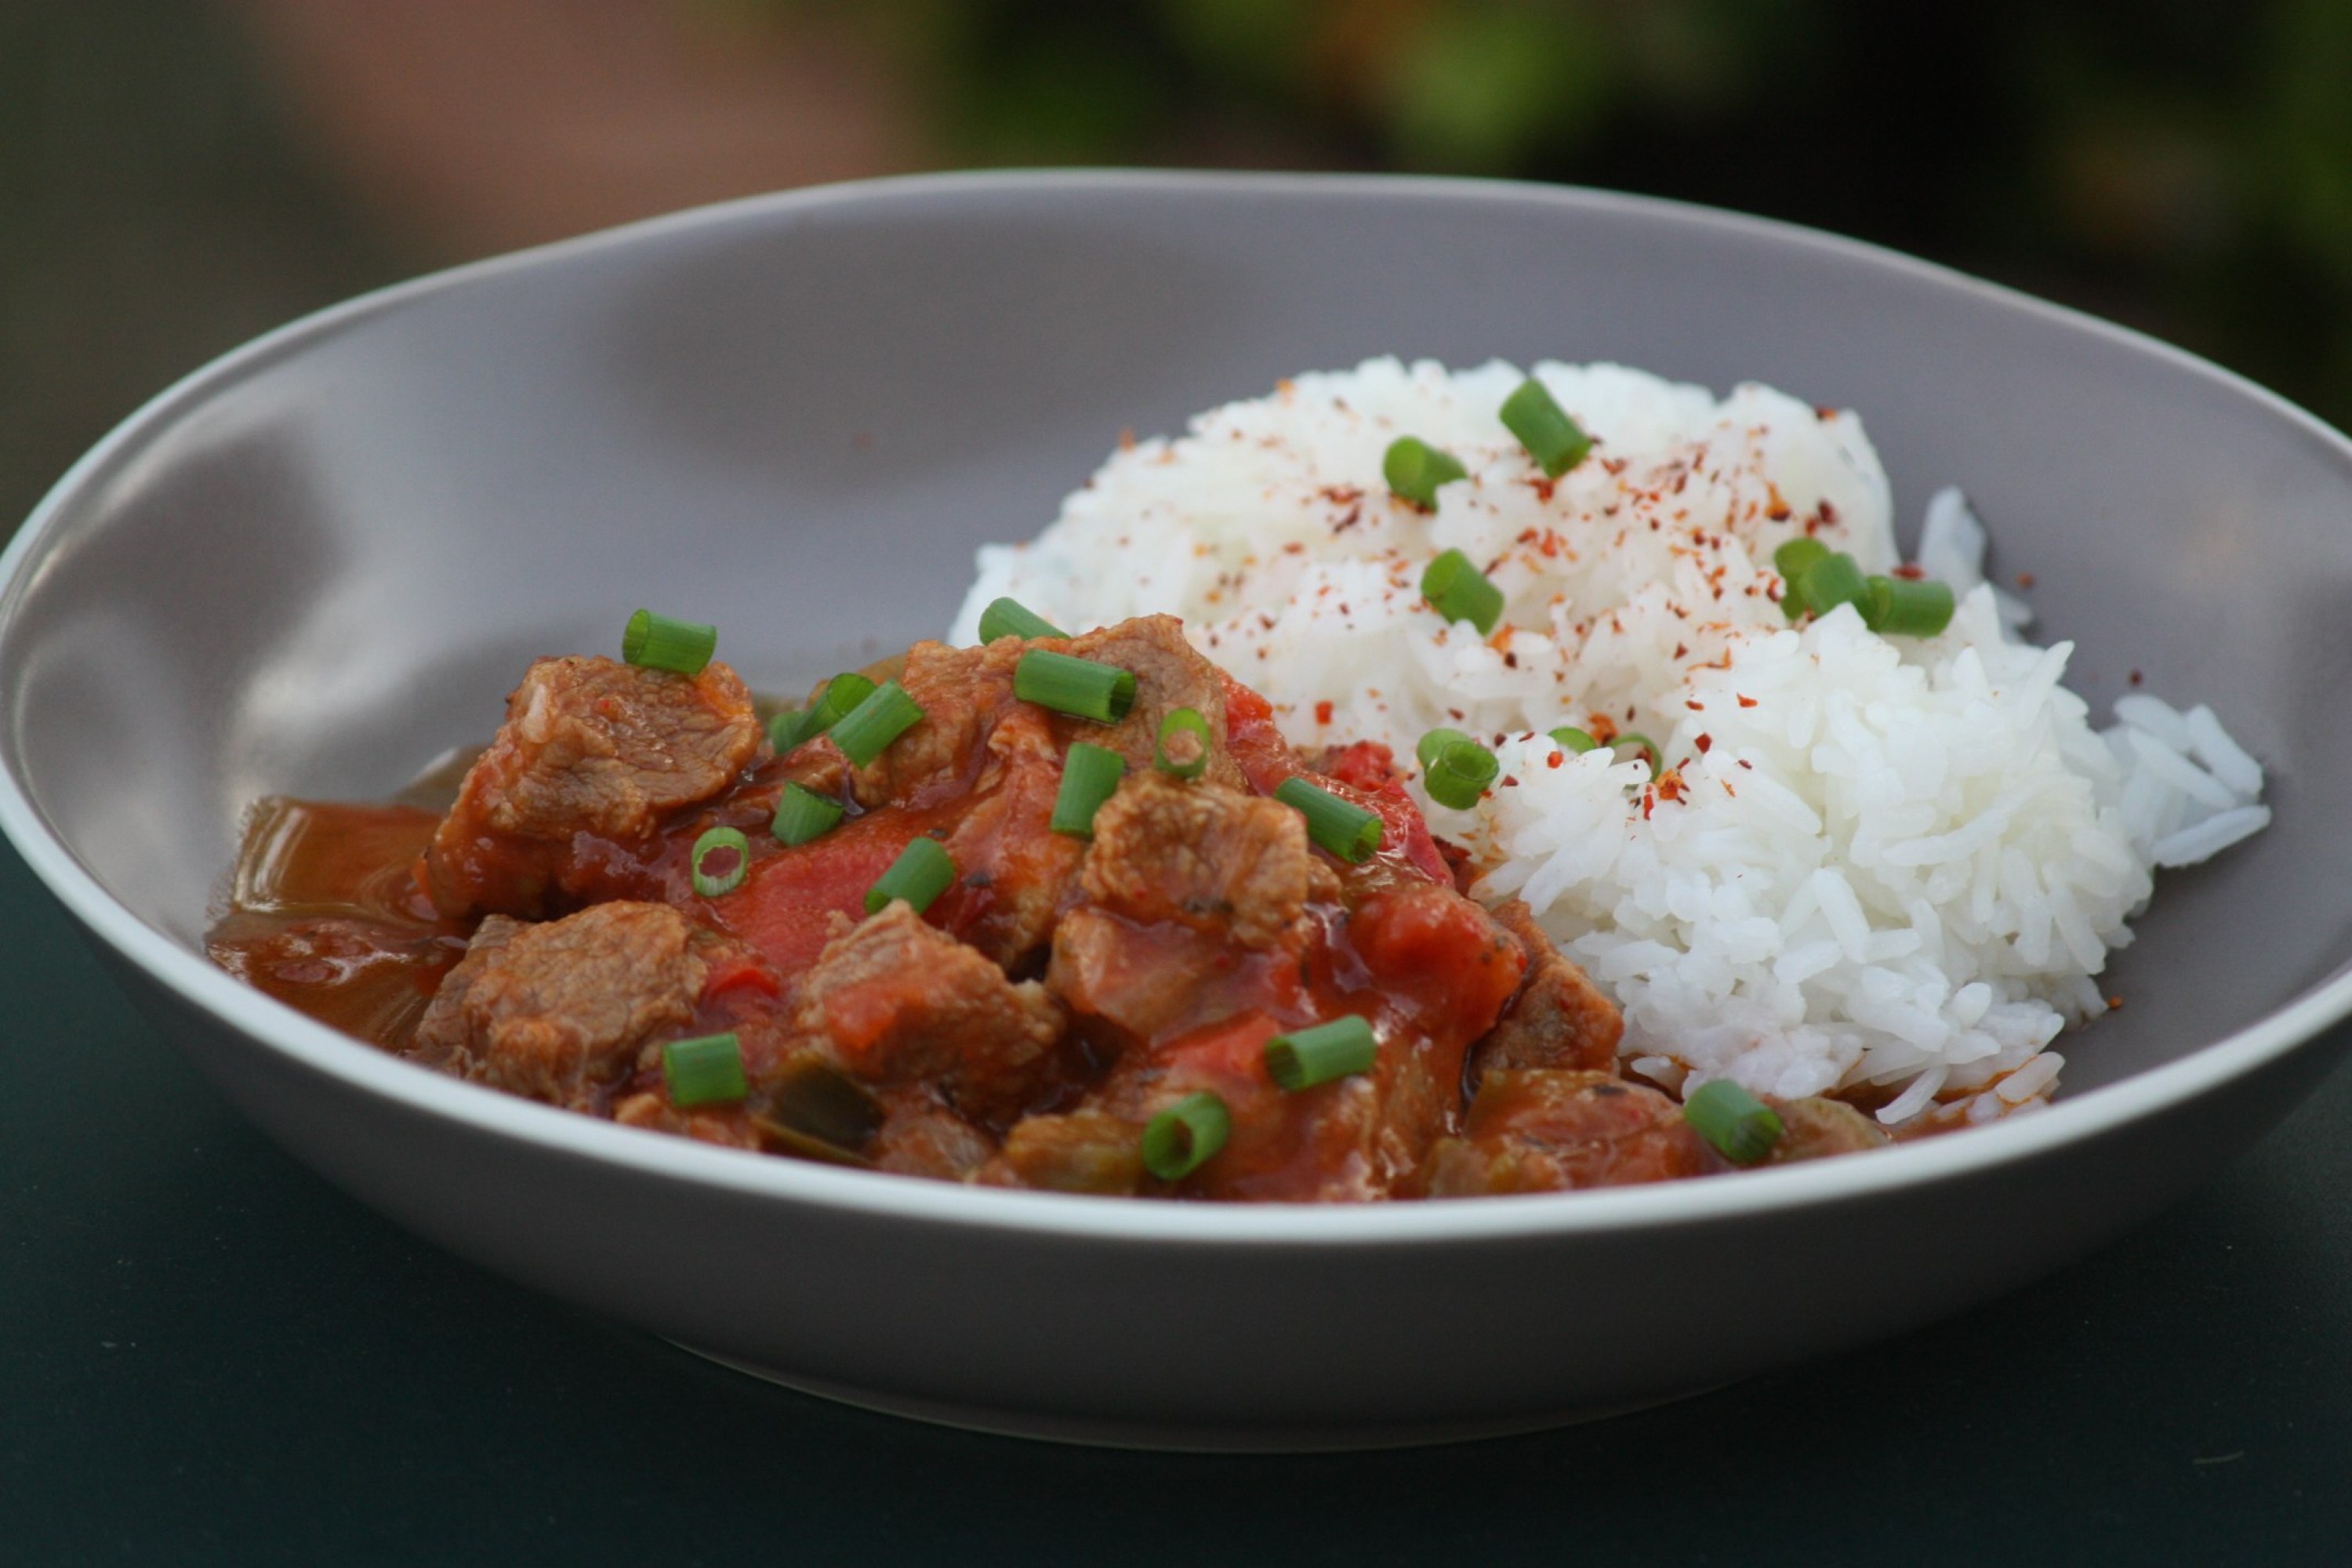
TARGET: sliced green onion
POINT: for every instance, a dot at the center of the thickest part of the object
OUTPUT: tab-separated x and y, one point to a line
1305	1058
1742	1128
785	728
656	642
706	1070
1414	469
1182	749
1553	439
866	730
1573	741
1796	557
808	1095
922	872
841	694
1906	607
1792	561
1454	769
720	841
1181	1138
1460	592
802	814
1067	684
1341	827
1011	619
1633	744
1831	581
1090	776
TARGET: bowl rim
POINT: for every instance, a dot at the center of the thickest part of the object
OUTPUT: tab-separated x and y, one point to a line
315	1047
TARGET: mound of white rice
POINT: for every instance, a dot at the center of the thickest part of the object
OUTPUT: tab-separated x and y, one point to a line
1870	860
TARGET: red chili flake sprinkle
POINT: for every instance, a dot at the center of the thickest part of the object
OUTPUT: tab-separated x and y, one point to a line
1542	487
1510	661
1910	572
1601	727
1680	650
1825	413
2135	678
2025	579
1510	781
1704	744
2115	1001
1555	760
1693	704
1778	511
1745	701
1127	440
1829	512
1323	712
1746	764
1670	784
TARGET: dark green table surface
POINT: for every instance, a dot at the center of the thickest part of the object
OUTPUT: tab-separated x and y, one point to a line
209	1354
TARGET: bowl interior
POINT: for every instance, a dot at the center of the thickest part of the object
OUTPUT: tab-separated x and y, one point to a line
317	564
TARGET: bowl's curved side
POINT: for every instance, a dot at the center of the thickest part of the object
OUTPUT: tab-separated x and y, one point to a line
1234	1343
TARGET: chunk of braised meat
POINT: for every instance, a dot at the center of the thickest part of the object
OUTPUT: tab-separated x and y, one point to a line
1080	1152
1208	856
1015	873
1560	1018
1534	1131
900	1001
560	1011
922	1137
1170	673
1816	1128
962	692
589	747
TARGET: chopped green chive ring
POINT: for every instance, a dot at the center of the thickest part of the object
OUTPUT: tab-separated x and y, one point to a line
1831	581
1305	1058
1454	769
1792	561
1634	746
1011	619
1414	469
1554	440
1573	741
1460	592
1090	776
730	852
1907	608
866	730
1340	827
923	870
706	1070
802	814
1080	687
1182	749
830	706
1742	1128
1181	1138
656	642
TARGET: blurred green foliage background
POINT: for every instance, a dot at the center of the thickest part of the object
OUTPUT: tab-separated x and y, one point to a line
176	175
